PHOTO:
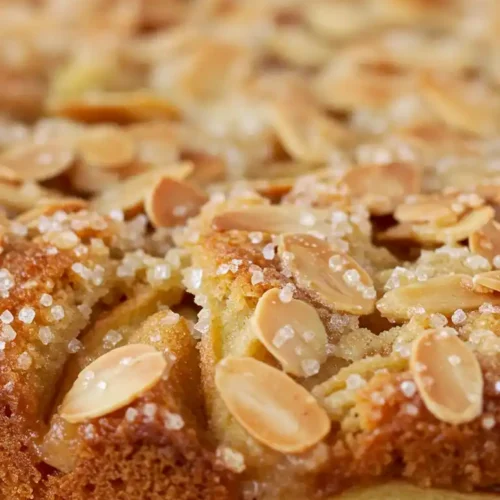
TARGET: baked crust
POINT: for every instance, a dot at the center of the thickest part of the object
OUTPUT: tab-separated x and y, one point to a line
143	460
249	249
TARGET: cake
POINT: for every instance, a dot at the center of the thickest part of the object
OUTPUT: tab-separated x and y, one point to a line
250	250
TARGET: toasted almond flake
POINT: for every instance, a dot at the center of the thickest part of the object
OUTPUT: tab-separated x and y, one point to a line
91	180
207	168
346	287
305	132
49	207
438	212
382	187
448	377
36	162
336	20
274	219
157	142
271	406
489	280
486	240
171	202
299	47
291	331
106	147
442	294
124	319
120	107
24	197
118	377
448	99
466	226
130	194
278	179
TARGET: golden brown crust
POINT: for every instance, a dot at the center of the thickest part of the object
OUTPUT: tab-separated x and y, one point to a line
142	459
418	447
137	451
30	369
389	443
19	476
313	363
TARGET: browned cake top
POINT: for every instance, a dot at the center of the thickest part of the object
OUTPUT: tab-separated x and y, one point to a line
249	249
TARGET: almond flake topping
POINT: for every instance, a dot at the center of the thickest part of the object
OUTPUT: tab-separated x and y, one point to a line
129	194
332	277
467	225
489	280
305	132
436	211
450	101
271	406
274	219
292	332
382	187
486	240
122	107
448	377
49	207
113	381
36	162
171	202
442	294
106	147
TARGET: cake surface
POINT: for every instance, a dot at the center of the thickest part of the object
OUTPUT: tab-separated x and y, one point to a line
249	250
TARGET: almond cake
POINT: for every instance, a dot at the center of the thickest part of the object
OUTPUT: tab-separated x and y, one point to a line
250	250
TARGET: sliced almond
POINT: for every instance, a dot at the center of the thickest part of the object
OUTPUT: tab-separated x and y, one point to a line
130	194
299	47
458	106
274	183
158	143
489	189
448	377
171	202
337	20
275	219
125	322
442	294
486	240
106	147
207	168
438	212
49	207
23	197
342	85
305	133
113	381
292	332
332	277
467	225
36	162
382	187
271	406
119	107
489	280
92	180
